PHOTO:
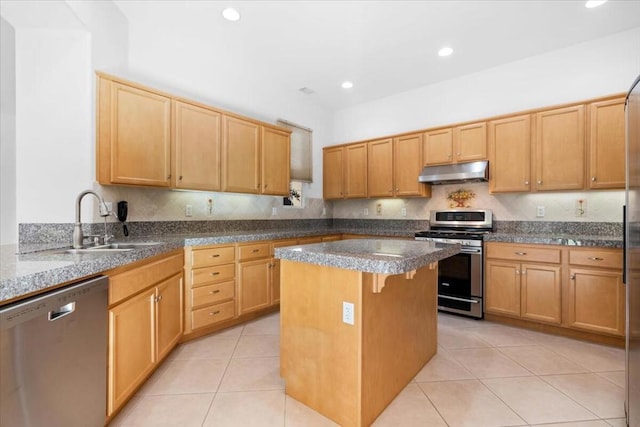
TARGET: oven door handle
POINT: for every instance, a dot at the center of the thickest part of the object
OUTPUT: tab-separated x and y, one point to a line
472	301
471	251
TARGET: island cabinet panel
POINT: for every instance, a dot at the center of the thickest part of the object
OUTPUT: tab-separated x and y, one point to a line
606	144
352	372
560	149
197	135
510	154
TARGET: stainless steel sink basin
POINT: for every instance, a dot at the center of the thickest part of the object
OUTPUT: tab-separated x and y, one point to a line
132	245
109	248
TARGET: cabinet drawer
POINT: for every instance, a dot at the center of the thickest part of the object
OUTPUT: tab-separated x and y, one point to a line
281	243
217	273
523	253
213	256
258	250
211	294
210	315
125	284
596	258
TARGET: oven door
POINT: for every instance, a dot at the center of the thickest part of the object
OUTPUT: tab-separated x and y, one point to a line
460	283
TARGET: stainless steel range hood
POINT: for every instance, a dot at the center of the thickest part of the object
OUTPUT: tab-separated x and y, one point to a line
454	173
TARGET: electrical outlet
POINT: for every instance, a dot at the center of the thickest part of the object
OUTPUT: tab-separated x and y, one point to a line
366	211
379	208
581	208
324	211
274	211
188	210
403	211
209	207
540	212
348	313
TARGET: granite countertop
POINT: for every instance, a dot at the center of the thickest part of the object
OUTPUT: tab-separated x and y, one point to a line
556	239
39	266
370	255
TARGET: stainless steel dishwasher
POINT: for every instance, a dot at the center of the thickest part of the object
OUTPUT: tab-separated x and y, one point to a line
53	358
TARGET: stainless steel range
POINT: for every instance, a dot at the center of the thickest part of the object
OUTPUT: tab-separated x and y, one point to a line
460	277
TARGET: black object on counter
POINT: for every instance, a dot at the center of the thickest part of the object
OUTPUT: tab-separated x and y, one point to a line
123	209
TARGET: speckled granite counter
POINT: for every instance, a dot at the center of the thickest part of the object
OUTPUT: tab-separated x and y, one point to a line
556	239
370	255
36	269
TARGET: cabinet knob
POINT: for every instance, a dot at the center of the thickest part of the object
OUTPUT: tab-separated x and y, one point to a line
449	156
169	176
573	277
397	189
539	182
524	272
593	179
180	177
526	183
159	298
458	154
517	271
595	258
265	186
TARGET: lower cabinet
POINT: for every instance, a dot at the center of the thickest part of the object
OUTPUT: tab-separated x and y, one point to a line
145	322
575	288
254	283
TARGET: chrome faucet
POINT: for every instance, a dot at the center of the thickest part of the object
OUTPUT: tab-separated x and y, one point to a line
78	236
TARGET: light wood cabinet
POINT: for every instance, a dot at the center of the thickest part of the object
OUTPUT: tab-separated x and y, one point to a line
510	154
210	286
560	149
133	136
197	147
275	269
240	156
407	165
606	144
275	155
470	142
355	172
526	289
380	168
254	283
438	146
333	173
595	295
145	322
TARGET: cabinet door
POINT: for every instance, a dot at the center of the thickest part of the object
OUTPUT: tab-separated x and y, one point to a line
140	137
510	154
438	147
502	288
596	301
275	281
132	354
240	156
560	149
470	142
276	159
197	147
407	165
355	174
253	285
168	314
606	144
540	293
380	168
333	173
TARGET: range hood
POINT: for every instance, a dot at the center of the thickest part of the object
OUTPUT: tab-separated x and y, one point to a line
454	173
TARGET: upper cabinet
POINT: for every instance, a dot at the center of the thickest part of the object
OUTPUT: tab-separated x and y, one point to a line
560	149
355	172
407	165
510	154
380	166
606	144
133	136
241	156
197	147
149	138
464	143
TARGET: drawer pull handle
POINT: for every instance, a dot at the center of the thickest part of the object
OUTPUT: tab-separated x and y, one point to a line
255	250
215	273
217	291
520	253
215	255
214	313
595	258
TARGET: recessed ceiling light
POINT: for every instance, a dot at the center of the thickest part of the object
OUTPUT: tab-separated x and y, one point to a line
347	85
445	51
230	14
594	3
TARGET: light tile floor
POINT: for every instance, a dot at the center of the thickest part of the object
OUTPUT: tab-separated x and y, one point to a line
484	374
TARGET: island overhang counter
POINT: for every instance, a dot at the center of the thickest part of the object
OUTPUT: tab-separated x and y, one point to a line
358	322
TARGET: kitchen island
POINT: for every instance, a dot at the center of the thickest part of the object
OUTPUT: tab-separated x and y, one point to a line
358	322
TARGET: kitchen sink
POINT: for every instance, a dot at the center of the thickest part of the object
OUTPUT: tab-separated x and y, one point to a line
108	248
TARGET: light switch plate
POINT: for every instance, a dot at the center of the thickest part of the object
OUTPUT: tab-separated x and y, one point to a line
348	313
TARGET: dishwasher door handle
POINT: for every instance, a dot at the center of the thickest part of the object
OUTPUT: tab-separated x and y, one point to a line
62	311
